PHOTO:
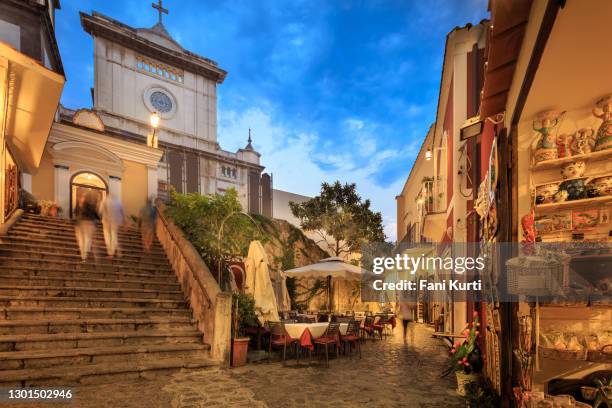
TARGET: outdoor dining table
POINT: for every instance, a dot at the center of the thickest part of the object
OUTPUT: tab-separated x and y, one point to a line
307	332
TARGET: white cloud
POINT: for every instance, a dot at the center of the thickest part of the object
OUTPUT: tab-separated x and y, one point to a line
354	124
300	161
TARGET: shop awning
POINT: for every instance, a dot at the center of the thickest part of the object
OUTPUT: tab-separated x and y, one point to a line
32	96
434	226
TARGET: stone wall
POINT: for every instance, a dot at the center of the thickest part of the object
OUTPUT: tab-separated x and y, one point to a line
211	307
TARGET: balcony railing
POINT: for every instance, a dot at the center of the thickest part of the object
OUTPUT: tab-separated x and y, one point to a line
432	197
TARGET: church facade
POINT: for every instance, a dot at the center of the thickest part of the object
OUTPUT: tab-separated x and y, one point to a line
152	127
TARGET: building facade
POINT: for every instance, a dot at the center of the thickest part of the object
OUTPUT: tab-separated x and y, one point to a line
152	127
31	82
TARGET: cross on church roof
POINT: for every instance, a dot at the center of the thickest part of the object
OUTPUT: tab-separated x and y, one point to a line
160	9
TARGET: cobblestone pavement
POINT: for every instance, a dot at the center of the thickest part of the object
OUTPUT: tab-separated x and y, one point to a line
392	373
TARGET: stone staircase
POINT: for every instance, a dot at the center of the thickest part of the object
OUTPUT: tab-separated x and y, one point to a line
63	321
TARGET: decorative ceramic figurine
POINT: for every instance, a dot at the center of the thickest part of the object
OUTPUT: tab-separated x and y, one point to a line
546	148
582	141
562	145
591	191
576	188
528	223
546	192
573	170
604	134
602	185
561	196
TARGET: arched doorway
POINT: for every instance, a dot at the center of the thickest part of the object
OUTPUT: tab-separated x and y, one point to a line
84	183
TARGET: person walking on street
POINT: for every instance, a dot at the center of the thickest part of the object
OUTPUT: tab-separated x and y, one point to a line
407	312
111	213
148	216
86	215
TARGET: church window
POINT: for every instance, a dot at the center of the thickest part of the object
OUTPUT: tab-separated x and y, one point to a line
161	101
164	71
229	172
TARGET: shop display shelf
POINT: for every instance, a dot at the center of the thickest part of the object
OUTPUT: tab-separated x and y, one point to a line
557	163
566	205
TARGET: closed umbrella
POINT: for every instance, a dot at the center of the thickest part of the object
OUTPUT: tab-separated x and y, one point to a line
286	299
328	268
259	285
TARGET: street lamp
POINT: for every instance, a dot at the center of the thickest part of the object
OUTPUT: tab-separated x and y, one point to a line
154	121
428	155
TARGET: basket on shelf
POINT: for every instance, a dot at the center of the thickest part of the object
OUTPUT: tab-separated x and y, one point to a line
534	276
555	354
603	355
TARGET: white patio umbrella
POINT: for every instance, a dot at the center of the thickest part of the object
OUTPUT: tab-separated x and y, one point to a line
328	268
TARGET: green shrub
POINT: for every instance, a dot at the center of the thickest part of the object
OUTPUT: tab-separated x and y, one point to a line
243	313
201	216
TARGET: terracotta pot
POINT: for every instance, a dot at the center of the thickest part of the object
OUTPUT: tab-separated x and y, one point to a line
53	211
240	347
463	379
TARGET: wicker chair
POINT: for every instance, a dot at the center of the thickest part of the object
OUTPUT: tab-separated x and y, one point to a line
352	337
330	338
371	329
279	337
304	319
385	323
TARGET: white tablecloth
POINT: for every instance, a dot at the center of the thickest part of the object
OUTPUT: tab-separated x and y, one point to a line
295	330
343	328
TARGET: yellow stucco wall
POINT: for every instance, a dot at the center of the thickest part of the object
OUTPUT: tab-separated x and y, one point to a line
133	187
43	181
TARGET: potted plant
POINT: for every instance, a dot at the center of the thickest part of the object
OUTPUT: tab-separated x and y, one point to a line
243	316
466	358
480	396
603	396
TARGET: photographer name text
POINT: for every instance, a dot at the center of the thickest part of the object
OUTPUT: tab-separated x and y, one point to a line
423	284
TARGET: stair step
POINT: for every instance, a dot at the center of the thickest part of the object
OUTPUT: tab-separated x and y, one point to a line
94	293
24	342
30	224
156	247
89	302
90	264
64	321
23	313
72	282
29	271
93	325
13	360
73	251
68	236
99	373
43	220
75	257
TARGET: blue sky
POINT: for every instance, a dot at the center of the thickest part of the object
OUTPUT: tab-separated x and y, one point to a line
332	89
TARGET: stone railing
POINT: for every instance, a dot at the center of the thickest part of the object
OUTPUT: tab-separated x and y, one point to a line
10	221
211	307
